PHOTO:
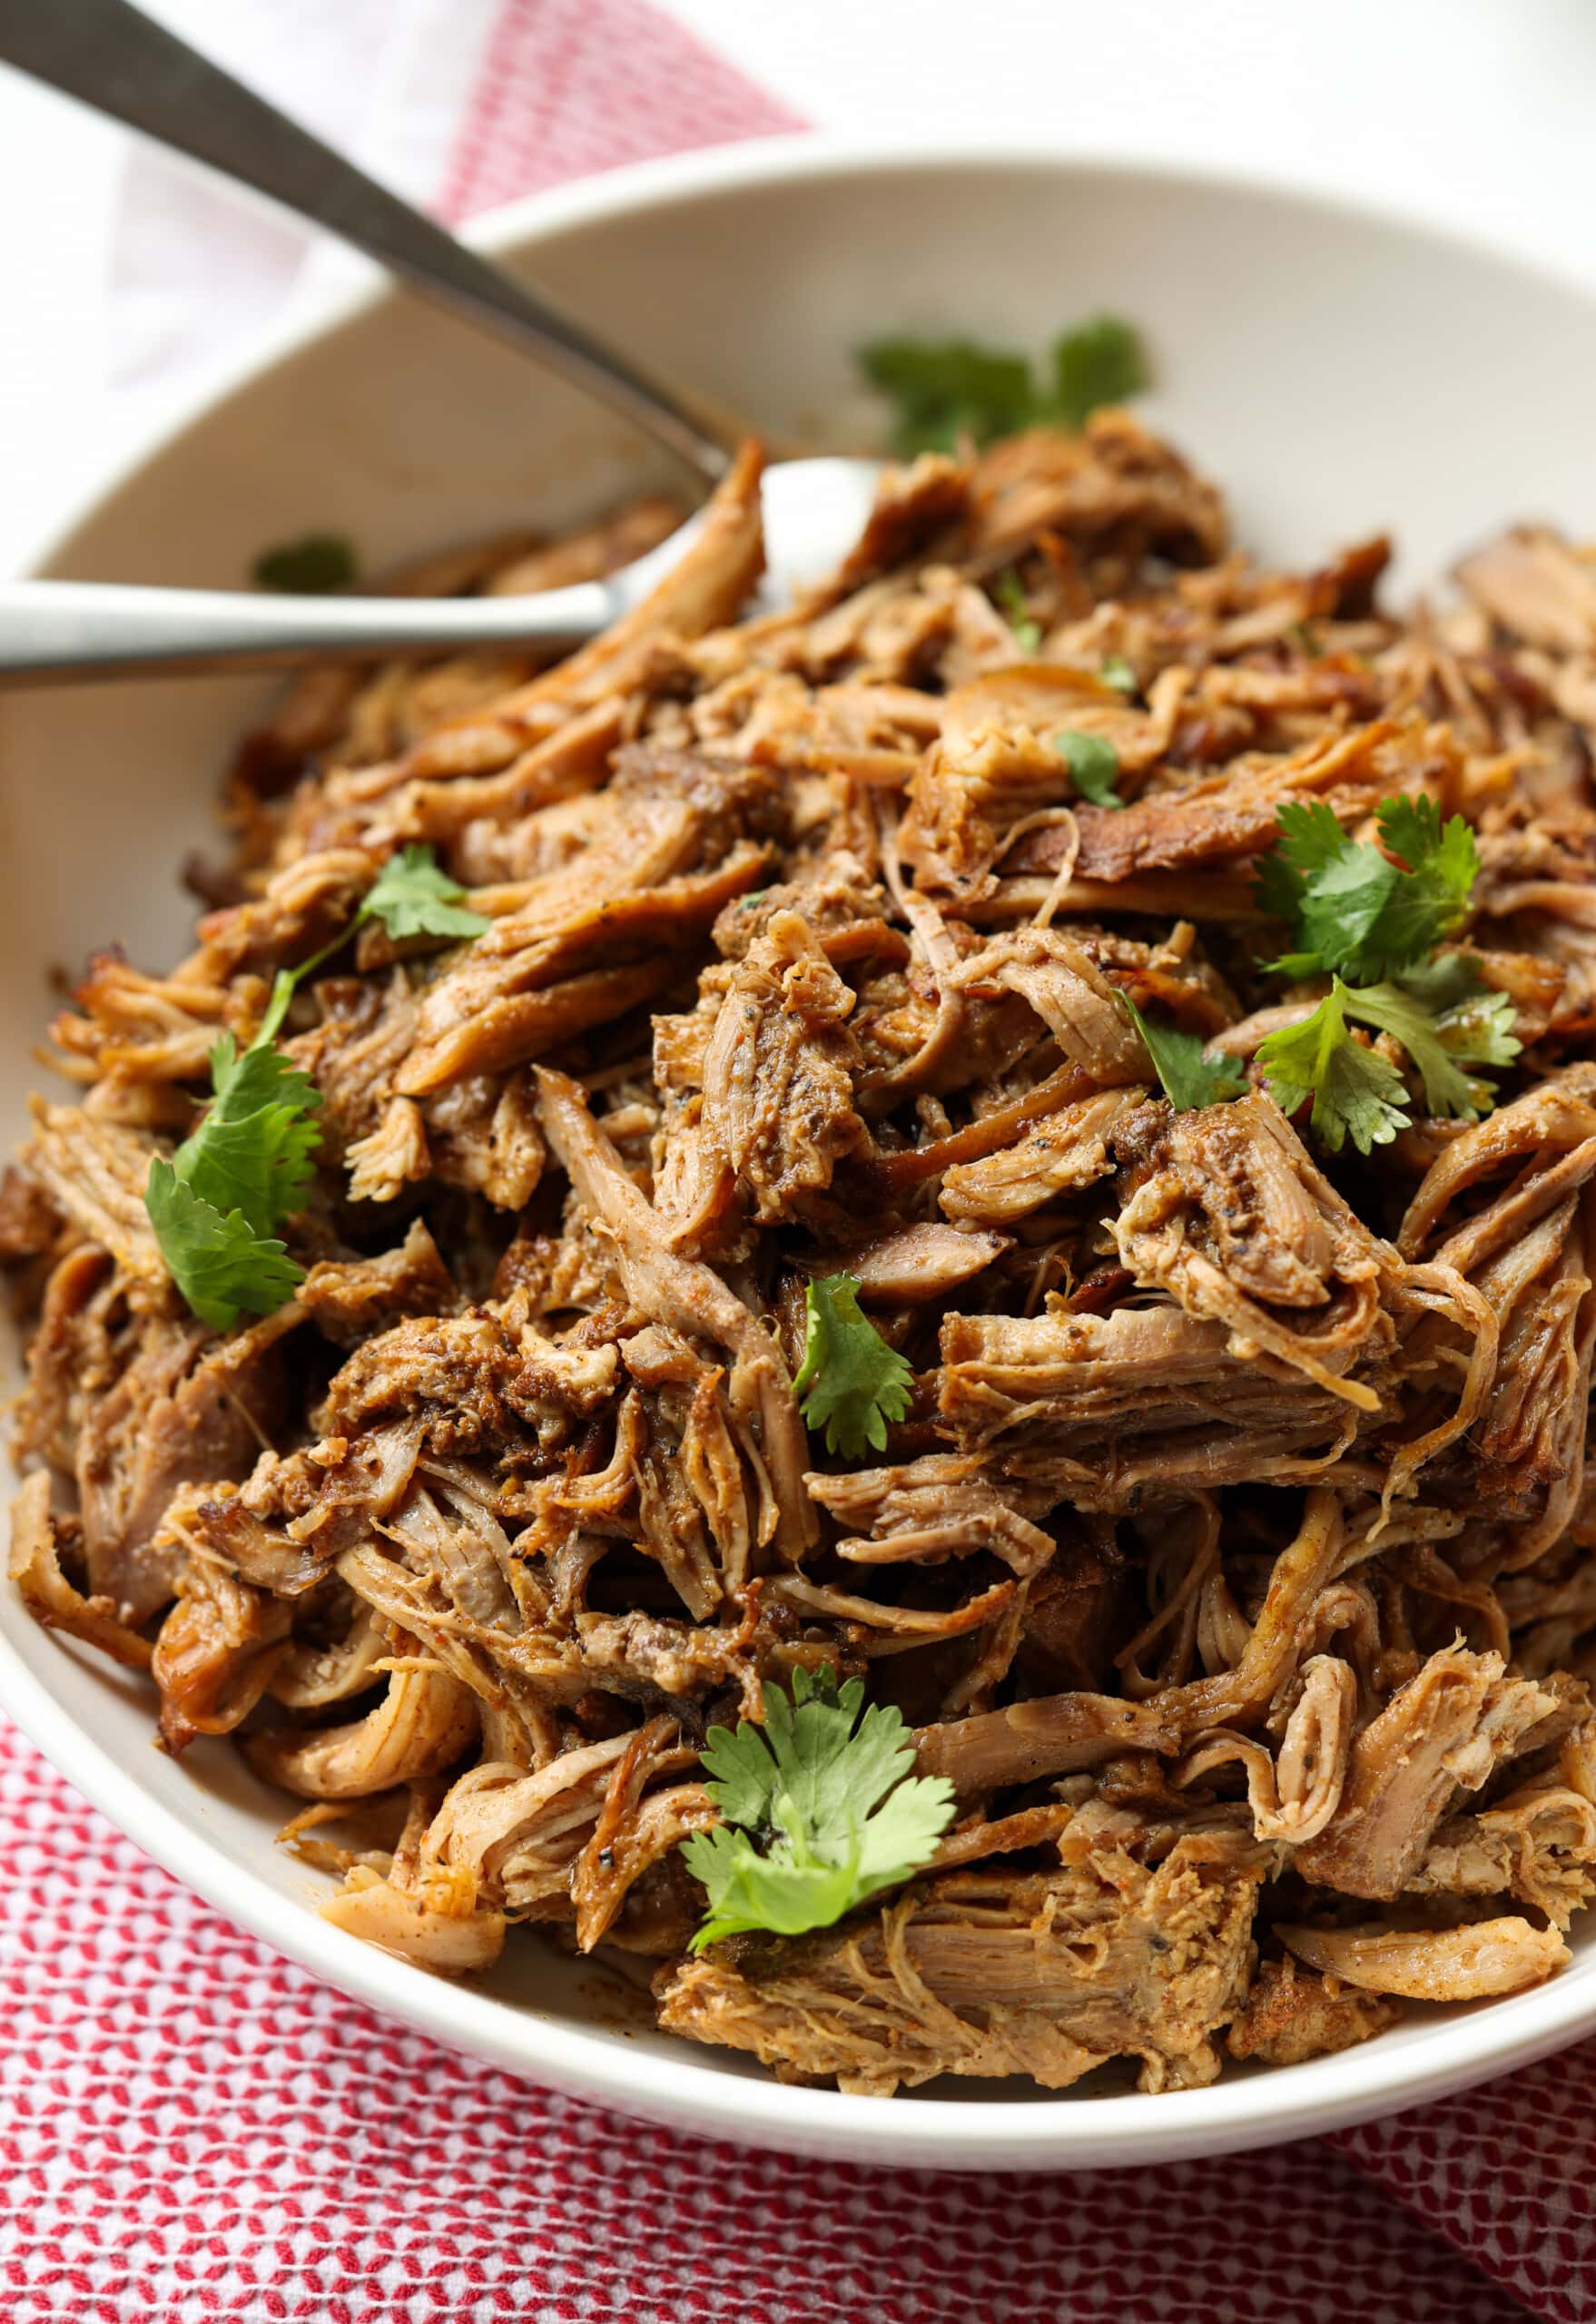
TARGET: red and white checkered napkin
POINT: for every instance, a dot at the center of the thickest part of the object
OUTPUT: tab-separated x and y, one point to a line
191	2129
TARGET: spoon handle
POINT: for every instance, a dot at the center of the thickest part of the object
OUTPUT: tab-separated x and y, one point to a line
110	55
51	630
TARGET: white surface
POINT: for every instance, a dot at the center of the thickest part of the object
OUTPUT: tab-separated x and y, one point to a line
1476	110
1479	108
1243	293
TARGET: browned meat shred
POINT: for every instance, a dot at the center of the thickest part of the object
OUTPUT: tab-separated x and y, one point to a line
1233	1557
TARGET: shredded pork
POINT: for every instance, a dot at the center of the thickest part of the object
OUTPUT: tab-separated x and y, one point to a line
1231	1554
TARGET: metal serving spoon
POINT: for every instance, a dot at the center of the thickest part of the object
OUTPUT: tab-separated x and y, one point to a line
112	56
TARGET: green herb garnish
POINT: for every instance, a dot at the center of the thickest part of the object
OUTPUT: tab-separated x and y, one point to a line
1357	1093
413	896
856	1383
820	1811
248	1167
1093	763
1352	908
1116	672
254	1150
216	1206
1100	362
1370	917
316	567
952	387
1028	633
1190	1078
220	1262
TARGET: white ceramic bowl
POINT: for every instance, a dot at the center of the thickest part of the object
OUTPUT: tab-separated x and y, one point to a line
1337	372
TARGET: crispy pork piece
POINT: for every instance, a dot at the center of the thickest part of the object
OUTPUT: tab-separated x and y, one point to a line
1226	1213
942	1505
1444	1732
1103	1410
1538	586
1291	2015
1473	1962
778	1073
1063	1152
997	1973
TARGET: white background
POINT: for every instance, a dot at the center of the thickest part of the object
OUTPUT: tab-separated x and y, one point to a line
1483	110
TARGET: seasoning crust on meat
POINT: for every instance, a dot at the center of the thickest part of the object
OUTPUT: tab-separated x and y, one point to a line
1223	1533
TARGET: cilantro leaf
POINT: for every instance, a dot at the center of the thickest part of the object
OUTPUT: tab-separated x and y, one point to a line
253	1150
1478	1032
249	1162
245	1169
1190	1079
1028	634
824	1785
1355	1091
856	1383
1100	362
807	1750
1093	763
1332	889
315	567
945	389
413	896
218	1262
1444	981
1431	893
1354	911
785	1893
1116	672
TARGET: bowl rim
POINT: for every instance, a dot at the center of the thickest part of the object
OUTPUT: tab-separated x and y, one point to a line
603	2065
794	157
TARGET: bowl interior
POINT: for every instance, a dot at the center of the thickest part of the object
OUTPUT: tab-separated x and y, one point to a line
1338	375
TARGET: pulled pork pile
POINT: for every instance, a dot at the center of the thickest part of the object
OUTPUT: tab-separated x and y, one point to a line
1232	1559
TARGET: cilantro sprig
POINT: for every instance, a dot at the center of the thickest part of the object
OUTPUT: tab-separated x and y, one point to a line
1357	1093
1477	1031
254	1151
856	1383
820	1811
1100	362
1357	911
1093	763
1010	596
248	1167
221	1260
1370	918
948	388
316	567
414	896
216	1206
1190	1078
